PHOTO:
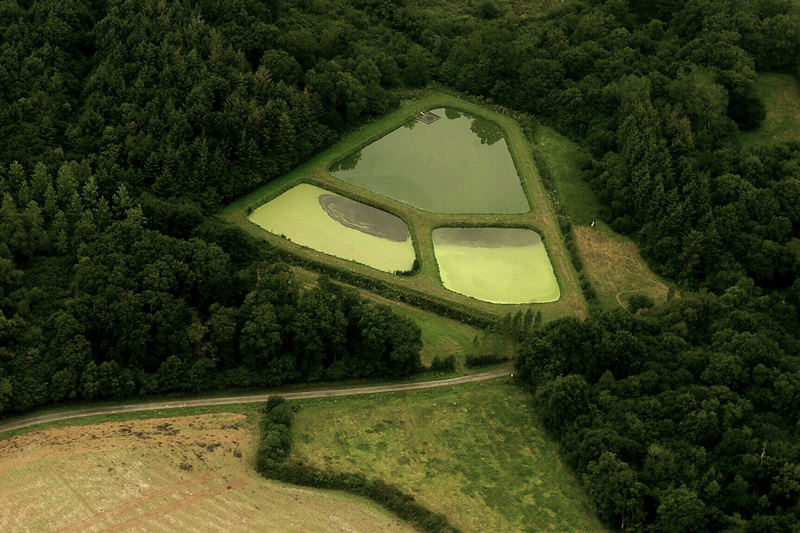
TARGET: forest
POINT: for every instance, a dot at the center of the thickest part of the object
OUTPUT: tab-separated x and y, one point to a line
127	123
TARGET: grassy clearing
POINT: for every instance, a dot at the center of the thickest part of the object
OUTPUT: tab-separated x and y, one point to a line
191	473
425	283
612	261
440	336
474	453
615	268
563	157
781	96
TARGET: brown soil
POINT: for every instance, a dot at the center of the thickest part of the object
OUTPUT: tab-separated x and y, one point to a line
170	474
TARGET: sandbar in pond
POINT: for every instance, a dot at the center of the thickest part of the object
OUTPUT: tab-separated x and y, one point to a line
330	223
497	265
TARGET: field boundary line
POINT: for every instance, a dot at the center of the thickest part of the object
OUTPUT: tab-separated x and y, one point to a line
253	398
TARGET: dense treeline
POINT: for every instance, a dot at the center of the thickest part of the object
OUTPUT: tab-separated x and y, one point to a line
94	304
683	417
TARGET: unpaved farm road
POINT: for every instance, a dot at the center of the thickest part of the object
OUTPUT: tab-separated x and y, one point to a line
229	400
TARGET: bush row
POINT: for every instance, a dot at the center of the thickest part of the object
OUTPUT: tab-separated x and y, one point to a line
472	361
382	288
272	461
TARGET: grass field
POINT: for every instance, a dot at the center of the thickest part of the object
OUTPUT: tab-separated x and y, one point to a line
612	261
188	473
474	453
781	96
425	282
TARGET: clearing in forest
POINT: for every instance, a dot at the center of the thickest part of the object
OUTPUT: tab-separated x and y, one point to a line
781	96
611	261
506	203
189	473
615	268
475	453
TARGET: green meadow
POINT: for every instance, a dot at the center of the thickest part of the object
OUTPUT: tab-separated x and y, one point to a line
781	96
474	452
611	261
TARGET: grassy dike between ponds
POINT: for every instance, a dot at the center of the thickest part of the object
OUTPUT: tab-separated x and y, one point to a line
273	462
424	287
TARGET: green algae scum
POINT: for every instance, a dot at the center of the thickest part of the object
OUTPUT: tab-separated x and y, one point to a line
330	223
456	164
497	265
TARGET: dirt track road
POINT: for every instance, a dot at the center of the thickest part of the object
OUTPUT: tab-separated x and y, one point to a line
300	395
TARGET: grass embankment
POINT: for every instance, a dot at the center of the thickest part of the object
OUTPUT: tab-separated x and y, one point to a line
425	283
611	261
187	473
474	453
781	96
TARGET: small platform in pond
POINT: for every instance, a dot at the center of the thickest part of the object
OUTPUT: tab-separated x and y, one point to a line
427	117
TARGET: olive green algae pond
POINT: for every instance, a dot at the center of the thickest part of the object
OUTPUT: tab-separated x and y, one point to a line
330	223
458	163
497	265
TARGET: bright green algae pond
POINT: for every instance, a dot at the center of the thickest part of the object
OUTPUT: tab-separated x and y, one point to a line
497	265
457	164
338	226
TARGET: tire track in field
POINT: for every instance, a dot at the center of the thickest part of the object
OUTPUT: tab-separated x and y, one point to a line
255	398
131	505
175	505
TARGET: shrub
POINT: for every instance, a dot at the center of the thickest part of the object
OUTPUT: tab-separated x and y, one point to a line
273	402
639	301
281	414
448	364
483	360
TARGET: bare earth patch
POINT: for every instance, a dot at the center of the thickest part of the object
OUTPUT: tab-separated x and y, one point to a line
165	474
615	268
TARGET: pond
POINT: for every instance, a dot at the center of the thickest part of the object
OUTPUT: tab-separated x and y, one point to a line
330	223
497	265
458	163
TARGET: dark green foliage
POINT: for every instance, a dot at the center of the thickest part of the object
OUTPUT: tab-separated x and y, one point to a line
446	364
483	360
272	461
124	124
681	417
121	308
639	301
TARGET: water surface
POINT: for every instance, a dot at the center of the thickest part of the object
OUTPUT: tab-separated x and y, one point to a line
338	226
457	164
498	265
